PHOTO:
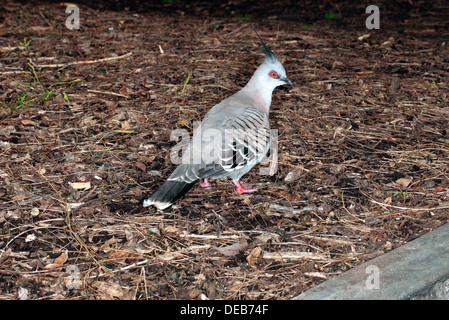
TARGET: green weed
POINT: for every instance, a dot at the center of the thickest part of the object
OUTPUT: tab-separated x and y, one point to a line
332	16
23	100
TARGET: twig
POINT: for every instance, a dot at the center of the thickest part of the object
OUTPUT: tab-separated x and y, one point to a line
46	20
295	211
63	65
108	92
209	236
408	208
293	255
12	48
327	239
4	73
122	268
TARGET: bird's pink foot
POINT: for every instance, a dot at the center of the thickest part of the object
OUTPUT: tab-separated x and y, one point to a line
205	183
240	189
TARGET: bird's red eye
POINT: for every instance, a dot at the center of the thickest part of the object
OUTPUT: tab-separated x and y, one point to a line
273	74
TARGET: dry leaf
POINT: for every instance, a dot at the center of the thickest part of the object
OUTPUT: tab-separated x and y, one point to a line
129	235
51	266
67	4
233	250
110	290
394	85
267	237
170	256
34	212
209	205
364	72
80	185
404	182
194	293
293	175
183	122
125	125
210	289
137	192
27	122
388	200
364	37
439	189
125	91
122	254
61	259
107	244
253	257
31	237
141	166
22	293
172	230
290	196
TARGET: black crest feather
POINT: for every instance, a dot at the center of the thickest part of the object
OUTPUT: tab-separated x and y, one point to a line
269	55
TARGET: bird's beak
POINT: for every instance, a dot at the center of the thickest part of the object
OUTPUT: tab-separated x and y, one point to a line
287	81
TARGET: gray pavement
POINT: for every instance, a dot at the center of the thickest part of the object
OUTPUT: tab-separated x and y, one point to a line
417	270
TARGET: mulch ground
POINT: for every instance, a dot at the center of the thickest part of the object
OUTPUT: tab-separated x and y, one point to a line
85	123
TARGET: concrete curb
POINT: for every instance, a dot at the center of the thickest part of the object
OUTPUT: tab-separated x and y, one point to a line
410	271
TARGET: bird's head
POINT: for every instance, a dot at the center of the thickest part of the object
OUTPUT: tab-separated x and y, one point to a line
271	73
268	76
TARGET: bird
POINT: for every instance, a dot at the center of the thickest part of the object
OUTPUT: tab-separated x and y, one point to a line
232	138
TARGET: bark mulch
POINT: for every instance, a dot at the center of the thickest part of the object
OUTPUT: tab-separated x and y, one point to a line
85	123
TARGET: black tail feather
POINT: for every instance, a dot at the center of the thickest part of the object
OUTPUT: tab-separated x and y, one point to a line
168	193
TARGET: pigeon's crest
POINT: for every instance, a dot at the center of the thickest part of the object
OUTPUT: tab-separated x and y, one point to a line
269	55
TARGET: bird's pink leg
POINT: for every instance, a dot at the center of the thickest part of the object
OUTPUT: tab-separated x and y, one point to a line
240	189
206	183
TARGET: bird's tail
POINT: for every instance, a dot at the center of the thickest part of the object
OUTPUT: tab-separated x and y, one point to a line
168	193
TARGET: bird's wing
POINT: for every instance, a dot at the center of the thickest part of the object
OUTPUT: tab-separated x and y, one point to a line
225	144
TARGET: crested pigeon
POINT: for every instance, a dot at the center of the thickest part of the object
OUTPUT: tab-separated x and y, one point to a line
240	139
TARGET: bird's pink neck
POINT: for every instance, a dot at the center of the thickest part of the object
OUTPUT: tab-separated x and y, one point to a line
260	99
